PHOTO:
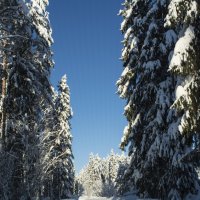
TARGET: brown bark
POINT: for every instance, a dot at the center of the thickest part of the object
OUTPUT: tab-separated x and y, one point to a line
4	93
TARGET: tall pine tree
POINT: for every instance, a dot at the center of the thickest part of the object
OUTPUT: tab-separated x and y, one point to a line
156	145
63	149
26	61
57	157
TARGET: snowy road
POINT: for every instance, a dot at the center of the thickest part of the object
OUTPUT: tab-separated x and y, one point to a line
93	198
112	198
130	197
104	198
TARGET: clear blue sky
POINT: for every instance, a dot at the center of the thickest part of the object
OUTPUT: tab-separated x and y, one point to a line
87	47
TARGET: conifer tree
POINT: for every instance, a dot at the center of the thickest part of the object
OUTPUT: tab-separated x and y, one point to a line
156	145
64	141
26	61
183	18
56	154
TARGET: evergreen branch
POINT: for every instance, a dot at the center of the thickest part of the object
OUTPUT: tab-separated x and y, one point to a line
13	36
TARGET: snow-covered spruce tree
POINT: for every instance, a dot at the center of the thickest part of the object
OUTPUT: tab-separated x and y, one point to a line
15	32
63	177
26	61
156	144
57	157
40	20
183	17
6	159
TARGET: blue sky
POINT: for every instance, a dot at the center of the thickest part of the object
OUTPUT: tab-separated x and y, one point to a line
87	47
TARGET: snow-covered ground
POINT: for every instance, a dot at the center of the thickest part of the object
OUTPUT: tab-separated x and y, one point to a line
112	198
127	197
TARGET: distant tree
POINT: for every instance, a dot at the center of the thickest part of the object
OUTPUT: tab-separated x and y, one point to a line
80	180
99	177
90	179
121	185
93	180
156	144
110	172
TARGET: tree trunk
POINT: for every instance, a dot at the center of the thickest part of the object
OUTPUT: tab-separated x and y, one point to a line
3	95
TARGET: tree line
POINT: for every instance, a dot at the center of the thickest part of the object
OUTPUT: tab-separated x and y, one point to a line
103	177
35	138
161	84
